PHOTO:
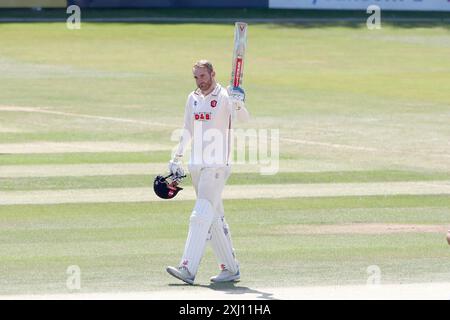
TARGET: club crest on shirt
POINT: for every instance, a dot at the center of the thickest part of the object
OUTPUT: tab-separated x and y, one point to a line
213	103
202	116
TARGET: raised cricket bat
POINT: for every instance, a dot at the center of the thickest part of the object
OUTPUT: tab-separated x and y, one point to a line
240	42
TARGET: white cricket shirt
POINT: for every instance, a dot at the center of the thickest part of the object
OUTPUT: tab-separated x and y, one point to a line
208	121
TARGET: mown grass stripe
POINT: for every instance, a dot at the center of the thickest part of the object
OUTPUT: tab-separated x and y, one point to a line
146	180
84	158
394	201
95	158
146	194
398	208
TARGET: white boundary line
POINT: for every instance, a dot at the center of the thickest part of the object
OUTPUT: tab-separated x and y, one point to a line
153	124
70	114
329	145
114	119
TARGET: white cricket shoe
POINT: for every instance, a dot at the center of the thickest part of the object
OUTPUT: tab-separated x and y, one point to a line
226	276
181	273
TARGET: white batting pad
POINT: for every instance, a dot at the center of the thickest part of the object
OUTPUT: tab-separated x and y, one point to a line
199	225
220	240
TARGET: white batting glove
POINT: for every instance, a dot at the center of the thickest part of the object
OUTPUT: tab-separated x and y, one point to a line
175	167
238	104
237	95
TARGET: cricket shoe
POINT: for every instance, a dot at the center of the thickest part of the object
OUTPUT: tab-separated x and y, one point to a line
181	273
226	276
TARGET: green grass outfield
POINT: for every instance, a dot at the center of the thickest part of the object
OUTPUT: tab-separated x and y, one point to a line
134	181
351	105
126	246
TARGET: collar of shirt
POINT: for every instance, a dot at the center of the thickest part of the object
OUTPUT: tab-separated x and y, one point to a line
213	93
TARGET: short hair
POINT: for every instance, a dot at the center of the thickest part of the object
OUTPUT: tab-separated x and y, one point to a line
204	64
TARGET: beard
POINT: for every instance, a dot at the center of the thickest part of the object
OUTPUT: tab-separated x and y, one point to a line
205	86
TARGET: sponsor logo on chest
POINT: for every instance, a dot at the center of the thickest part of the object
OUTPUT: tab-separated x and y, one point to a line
202	116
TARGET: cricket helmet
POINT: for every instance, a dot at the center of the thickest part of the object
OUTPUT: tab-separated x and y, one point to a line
167	187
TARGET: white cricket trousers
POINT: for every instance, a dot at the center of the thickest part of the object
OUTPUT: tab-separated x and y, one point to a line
207	221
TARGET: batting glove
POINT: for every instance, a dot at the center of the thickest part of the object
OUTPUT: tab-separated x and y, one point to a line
175	167
237	95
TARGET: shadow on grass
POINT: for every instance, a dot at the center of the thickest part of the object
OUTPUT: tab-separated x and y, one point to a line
231	288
